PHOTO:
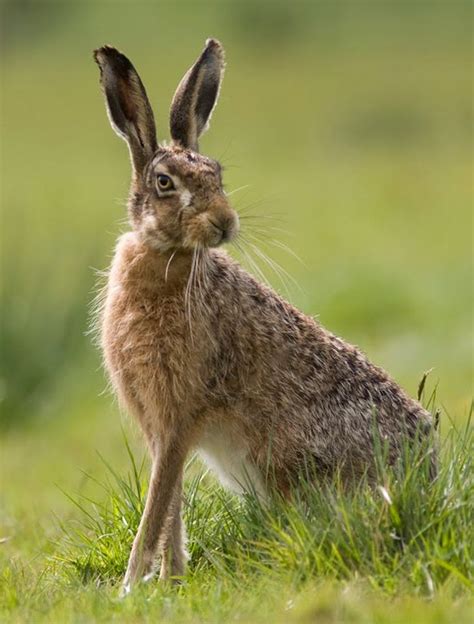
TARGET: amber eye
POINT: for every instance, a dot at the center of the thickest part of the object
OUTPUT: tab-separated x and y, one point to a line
165	183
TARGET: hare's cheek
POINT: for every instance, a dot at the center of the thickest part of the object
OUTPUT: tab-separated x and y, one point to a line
185	198
196	231
153	234
149	224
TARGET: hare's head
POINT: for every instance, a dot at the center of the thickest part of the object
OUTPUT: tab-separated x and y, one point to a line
177	199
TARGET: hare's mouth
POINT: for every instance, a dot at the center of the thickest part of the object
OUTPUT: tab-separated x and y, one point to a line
218	233
210	230
222	233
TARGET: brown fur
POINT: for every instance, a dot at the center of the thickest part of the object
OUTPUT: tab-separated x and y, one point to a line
206	357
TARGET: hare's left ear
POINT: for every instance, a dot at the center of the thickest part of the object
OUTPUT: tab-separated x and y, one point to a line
196	96
127	104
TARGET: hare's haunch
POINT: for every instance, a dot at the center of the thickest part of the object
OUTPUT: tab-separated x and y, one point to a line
202	354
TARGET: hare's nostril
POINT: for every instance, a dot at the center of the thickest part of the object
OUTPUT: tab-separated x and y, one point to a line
225	226
220	229
216	225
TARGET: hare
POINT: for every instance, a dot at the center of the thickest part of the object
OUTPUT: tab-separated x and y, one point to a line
205	356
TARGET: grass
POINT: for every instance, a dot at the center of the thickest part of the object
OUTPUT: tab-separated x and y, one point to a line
331	553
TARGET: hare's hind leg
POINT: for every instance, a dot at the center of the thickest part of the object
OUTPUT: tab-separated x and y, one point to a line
174	556
167	468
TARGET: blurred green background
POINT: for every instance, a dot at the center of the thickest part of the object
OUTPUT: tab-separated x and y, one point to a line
349	123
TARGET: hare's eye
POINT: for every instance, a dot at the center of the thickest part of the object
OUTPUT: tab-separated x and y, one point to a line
165	183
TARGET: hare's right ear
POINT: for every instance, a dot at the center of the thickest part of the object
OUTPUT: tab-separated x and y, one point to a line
196	96
127	105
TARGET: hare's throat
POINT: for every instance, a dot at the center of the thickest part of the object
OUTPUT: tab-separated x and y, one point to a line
138	262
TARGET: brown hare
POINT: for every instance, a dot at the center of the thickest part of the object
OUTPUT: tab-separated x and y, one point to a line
205	356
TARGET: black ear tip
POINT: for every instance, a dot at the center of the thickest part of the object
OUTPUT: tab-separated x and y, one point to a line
215	46
102	53
108	53
213	42
112	58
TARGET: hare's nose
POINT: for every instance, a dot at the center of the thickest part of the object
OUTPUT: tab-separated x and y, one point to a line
221	228
226	225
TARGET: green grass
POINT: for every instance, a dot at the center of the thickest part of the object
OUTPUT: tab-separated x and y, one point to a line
330	552
351	124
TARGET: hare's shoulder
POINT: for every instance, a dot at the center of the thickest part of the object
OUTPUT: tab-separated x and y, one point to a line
256	304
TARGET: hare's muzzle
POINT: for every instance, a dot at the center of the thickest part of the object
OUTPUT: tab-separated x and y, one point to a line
223	224
226	229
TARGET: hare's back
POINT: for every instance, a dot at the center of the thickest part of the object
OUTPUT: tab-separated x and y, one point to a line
299	376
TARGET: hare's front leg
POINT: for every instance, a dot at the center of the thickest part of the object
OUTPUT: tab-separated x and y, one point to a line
174	556
167	468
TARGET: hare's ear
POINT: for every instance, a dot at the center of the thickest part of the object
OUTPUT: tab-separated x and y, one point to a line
196	96
127	105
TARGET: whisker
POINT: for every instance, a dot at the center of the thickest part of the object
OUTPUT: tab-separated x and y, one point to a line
270	217
199	273
264	227
267	261
168	264
275	266
275	243
284	247
194	289
254	266
202	285
187	294
242	207
240	188
120	201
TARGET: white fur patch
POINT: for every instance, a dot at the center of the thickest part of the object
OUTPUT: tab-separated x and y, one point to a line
186	198
228	458
149	223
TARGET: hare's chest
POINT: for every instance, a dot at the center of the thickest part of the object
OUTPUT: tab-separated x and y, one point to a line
144	340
